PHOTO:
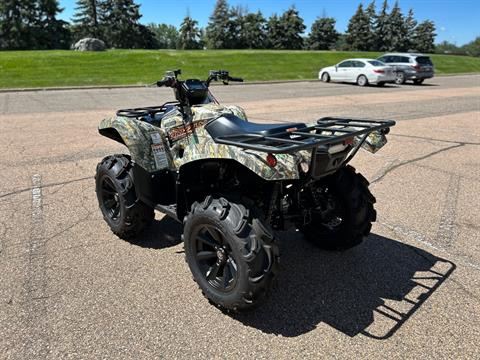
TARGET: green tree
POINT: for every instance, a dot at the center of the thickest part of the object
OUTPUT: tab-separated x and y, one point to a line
253	32
410	27
190	35
371	13
218	33
472	48
323	34
382	29
358	31
446	47
166	36
121	27
396	33
284	32
86	19
17	24
51	33
424	40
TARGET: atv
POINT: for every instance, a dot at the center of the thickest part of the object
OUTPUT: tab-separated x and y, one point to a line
233	183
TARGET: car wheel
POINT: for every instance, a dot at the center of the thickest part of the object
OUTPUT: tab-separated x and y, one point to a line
400	78
325	77
418	81
362	80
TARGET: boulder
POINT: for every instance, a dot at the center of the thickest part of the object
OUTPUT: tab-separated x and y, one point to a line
89	44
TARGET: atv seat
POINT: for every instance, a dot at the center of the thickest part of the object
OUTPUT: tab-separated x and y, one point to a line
230	124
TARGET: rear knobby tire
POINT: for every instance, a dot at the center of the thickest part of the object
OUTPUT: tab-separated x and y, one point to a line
356	201
126	215
240	278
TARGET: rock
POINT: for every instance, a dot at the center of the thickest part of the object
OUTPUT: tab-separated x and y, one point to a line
89	44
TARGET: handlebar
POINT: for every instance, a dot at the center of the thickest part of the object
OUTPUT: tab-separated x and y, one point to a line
235	79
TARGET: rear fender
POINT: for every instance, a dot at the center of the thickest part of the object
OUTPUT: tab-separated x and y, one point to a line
144	141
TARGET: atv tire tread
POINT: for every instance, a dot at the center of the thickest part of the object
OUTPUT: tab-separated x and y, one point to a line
361	212
252	239
136	215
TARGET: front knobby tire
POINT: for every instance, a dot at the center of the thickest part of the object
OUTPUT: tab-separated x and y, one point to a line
352	195
126	215
231	253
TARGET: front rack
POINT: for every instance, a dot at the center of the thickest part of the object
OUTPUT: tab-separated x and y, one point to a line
328	131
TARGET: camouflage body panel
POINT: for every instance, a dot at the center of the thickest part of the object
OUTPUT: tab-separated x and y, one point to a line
374	141
182	143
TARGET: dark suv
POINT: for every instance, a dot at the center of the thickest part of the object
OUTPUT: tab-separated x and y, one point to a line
416	67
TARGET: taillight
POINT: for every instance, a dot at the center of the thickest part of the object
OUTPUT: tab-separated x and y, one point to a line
271	160
417	67
378	71
348	141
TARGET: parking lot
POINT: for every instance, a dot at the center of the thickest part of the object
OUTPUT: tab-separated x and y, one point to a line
70	289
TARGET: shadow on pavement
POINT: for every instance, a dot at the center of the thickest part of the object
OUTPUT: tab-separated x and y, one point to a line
160	234
371	290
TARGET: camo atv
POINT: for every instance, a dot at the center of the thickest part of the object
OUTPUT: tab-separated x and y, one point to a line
233	182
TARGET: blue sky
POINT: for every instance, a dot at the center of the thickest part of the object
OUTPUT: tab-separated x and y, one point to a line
457	21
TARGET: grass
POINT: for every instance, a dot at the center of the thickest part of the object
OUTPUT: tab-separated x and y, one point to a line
26	69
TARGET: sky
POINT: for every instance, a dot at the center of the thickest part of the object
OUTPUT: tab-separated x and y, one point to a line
457	21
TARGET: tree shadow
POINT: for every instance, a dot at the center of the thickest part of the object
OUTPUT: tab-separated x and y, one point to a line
161	234
372	289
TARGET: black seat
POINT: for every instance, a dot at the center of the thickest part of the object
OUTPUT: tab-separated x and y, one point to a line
230	124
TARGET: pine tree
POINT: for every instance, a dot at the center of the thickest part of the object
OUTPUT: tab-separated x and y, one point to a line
323	34
189	34
17	24
121	27
293	27
424	40
86	19
397	33
236	28
254	31
371	13
382	29
274	33
410	28
218	29
358	31
51	33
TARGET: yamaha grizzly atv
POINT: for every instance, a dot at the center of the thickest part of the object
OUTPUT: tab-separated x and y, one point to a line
233	182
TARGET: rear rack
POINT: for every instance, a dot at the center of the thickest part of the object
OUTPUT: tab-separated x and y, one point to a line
309	137
148	111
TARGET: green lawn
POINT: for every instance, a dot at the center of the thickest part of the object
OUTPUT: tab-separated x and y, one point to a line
24	69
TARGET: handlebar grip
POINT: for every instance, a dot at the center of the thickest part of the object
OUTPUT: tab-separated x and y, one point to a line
162	83
235	79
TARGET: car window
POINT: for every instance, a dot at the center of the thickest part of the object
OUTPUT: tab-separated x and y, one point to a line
403	59
376	63
382	58
423	60
358	64
345	64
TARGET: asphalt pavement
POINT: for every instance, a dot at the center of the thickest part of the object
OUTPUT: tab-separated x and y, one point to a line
70	289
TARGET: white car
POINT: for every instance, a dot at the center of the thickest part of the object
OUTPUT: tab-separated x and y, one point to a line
360	71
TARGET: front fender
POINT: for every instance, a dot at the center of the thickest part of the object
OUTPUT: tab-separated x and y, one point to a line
144	141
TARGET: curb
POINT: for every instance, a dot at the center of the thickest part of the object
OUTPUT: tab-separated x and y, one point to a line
111	87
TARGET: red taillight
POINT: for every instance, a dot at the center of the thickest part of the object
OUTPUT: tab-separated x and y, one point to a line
417	67
271	160
348	141
378	71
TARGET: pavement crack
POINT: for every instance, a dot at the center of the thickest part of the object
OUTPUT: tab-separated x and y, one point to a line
45	186
439	140
395	166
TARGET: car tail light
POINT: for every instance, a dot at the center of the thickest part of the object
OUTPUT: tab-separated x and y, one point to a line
379	71
416	67
271	160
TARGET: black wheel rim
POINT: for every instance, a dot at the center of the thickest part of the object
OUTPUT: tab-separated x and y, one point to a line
215	259
110	199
